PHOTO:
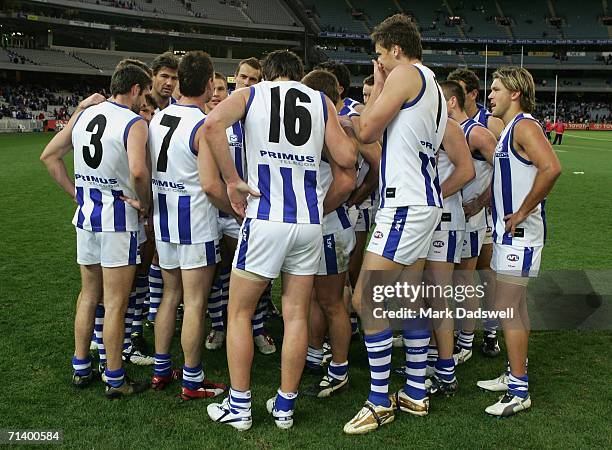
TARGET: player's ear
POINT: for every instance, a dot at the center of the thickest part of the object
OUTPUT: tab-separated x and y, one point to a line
515	96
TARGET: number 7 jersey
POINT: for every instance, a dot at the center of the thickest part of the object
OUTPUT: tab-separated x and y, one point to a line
182	213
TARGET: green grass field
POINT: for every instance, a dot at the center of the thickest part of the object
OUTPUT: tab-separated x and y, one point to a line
569	370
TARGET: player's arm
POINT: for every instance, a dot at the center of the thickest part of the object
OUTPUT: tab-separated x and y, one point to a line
528	137
210	180
139	171
482	141
53	157
401	85
459	154
495	125
343	182
371	153
340	138
92	100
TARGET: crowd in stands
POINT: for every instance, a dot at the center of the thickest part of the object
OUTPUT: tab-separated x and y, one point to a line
576	111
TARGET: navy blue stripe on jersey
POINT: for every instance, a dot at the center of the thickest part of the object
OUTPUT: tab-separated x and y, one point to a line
210	253
473	243
79	199
184	219
244	244
452	246
437	181
96	214
251	97
237	130
77	119
366	218
310	189
343	217
126	132
133	248
543	214
527	261
163	218
329	248
118	104
395	233
511	141
428	190
118	210
324	107
192	136
289	200
263	185
506	176
418	97
383	167
493	210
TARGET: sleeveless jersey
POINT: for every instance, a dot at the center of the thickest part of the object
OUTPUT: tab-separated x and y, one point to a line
513	178
284	130
101	170
235	142
408	172
338	219
172	101
482	116
453	217
481	180
350	108
182	212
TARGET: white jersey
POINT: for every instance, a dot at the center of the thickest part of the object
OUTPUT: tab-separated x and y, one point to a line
101	170
284	130
481	180
349	108
338	219
513	178
408	173
453	217
172	101
236	147
482	115
182	213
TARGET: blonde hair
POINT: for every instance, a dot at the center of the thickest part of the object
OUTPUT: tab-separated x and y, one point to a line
518	79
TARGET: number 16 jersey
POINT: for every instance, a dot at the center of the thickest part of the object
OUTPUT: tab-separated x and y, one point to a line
182	213
284	131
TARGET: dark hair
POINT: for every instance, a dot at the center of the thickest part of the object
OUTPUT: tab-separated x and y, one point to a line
127	76
220	76
135	62
167	59
453	89
341	72
369	80
194	72
400	30
150	100
324	81
282	63
467	76
253	62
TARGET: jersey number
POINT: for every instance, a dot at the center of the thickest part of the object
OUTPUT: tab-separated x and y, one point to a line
172	123
99	124
294	115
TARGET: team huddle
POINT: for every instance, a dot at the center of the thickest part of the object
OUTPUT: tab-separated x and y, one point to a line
193	200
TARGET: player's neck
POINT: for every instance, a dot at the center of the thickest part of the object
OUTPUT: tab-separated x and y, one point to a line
121	100
281	79
471	109
511	113
340	105
196	101
162	102
459	116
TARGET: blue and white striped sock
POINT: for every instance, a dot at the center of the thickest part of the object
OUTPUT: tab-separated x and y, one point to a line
193	377
129	318
445	369
215	305
225	282
285	401
491	326
98	330
114	378
379	348
416	343
239	401
432	356
82	367
314	357
465	340
354	323
518	386
257	322
142	292
156	289
163	364
338	371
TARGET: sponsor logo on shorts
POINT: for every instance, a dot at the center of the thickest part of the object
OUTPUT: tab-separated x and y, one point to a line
378	234
512	257
438	244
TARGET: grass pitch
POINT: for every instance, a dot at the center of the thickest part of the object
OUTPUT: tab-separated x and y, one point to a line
569	370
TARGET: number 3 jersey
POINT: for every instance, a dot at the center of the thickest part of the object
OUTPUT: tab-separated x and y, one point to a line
182	213
284	130
101	170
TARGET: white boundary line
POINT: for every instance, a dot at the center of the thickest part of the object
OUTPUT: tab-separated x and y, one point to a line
589	138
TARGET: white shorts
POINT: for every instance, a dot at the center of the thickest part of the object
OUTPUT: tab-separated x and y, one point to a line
187	256
488	239
516	261
229	227
403	234
107	248
365	219
446	246
472	243
267	248
337	249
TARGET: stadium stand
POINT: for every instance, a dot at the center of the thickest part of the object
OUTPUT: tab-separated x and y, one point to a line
581	18
431	17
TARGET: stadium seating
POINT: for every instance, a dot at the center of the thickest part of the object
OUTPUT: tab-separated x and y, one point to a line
581	19
431	17
48	58
270	12
336	16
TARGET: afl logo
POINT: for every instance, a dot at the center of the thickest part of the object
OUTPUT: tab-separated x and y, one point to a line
438	244
512	257
378	235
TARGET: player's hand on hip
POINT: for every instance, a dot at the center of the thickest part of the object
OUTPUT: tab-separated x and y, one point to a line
472	208
238	194
142	213
513	220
